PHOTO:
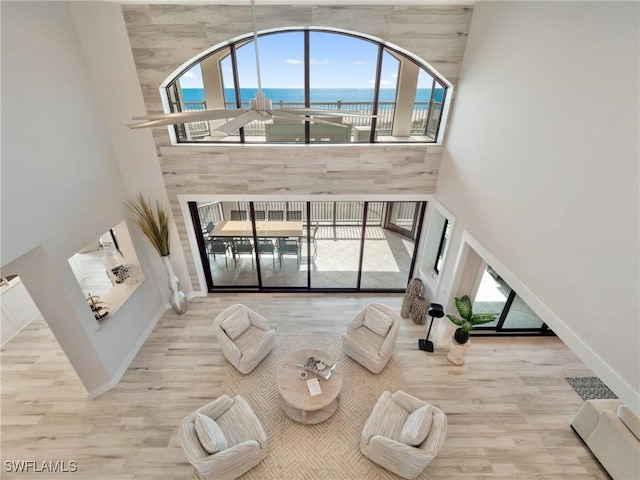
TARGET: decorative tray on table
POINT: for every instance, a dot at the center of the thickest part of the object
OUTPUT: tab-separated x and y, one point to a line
320	368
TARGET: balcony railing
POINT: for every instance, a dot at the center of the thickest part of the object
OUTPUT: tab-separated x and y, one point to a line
425	118
326	213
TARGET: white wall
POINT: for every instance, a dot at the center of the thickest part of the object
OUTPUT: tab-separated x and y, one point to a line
541	168
105	43
62	187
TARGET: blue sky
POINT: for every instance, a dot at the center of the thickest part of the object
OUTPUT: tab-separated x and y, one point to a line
337	61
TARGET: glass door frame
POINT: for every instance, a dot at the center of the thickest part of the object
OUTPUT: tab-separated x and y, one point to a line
260	288
388	223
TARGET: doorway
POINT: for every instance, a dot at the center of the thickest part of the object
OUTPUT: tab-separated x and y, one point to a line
307	246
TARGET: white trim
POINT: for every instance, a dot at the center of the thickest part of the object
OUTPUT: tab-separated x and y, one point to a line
426	270
96	392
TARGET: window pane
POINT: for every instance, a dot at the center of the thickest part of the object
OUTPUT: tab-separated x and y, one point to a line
190	95
435	112
335	254
389	77
341	75
282	243
521	316
282	75
388	247
491	297
230	250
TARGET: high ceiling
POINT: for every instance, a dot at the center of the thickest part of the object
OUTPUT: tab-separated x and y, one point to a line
303	2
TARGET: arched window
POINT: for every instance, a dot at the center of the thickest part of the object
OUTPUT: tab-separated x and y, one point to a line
398	97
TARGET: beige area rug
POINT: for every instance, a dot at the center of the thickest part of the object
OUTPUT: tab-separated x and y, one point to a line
329	450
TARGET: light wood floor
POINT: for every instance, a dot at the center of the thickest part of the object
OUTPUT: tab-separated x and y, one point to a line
508	407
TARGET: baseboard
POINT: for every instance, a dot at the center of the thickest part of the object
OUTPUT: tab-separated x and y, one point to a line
96	392
197	294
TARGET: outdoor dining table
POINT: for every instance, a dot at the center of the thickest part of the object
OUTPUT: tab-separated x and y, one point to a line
242	228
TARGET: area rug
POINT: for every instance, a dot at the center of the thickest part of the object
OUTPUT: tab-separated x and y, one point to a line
590	388
329	450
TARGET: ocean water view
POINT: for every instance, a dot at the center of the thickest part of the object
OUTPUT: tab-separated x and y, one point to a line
320	95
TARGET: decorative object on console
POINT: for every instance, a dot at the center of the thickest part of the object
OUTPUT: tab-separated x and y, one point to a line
98	307
155	227
466	322
113	262
415	288
419	310
434	310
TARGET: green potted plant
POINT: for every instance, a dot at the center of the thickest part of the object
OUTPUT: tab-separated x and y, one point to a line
468	320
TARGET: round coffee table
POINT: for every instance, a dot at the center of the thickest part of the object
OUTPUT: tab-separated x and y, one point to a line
295	399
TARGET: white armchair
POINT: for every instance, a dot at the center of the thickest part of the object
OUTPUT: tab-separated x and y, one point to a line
371	336
244	336
403	433
223	439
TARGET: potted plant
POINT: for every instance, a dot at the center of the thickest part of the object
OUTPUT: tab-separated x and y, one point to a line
468	320
155	226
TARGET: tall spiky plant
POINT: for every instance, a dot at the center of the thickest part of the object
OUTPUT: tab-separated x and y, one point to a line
155	226
469	319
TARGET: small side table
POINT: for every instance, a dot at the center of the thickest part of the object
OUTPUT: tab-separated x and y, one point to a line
457	351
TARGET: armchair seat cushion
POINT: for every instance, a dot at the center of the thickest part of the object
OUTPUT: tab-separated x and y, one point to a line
251	341
366	340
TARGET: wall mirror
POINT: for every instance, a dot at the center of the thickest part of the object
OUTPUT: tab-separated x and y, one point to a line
107	270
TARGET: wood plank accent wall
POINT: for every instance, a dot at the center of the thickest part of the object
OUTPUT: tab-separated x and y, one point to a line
163	37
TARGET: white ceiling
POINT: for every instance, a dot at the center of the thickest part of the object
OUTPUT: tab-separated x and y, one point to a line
302	2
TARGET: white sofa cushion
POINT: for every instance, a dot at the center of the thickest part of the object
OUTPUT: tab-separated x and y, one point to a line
211	436
377	321
416	427
236	323
629	419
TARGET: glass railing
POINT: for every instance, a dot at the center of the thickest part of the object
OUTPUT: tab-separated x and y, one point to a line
422	122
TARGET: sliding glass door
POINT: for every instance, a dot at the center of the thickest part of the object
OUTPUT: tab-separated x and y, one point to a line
389	248
306	246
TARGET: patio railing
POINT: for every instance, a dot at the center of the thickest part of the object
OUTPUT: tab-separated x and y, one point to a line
327	213
384	123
